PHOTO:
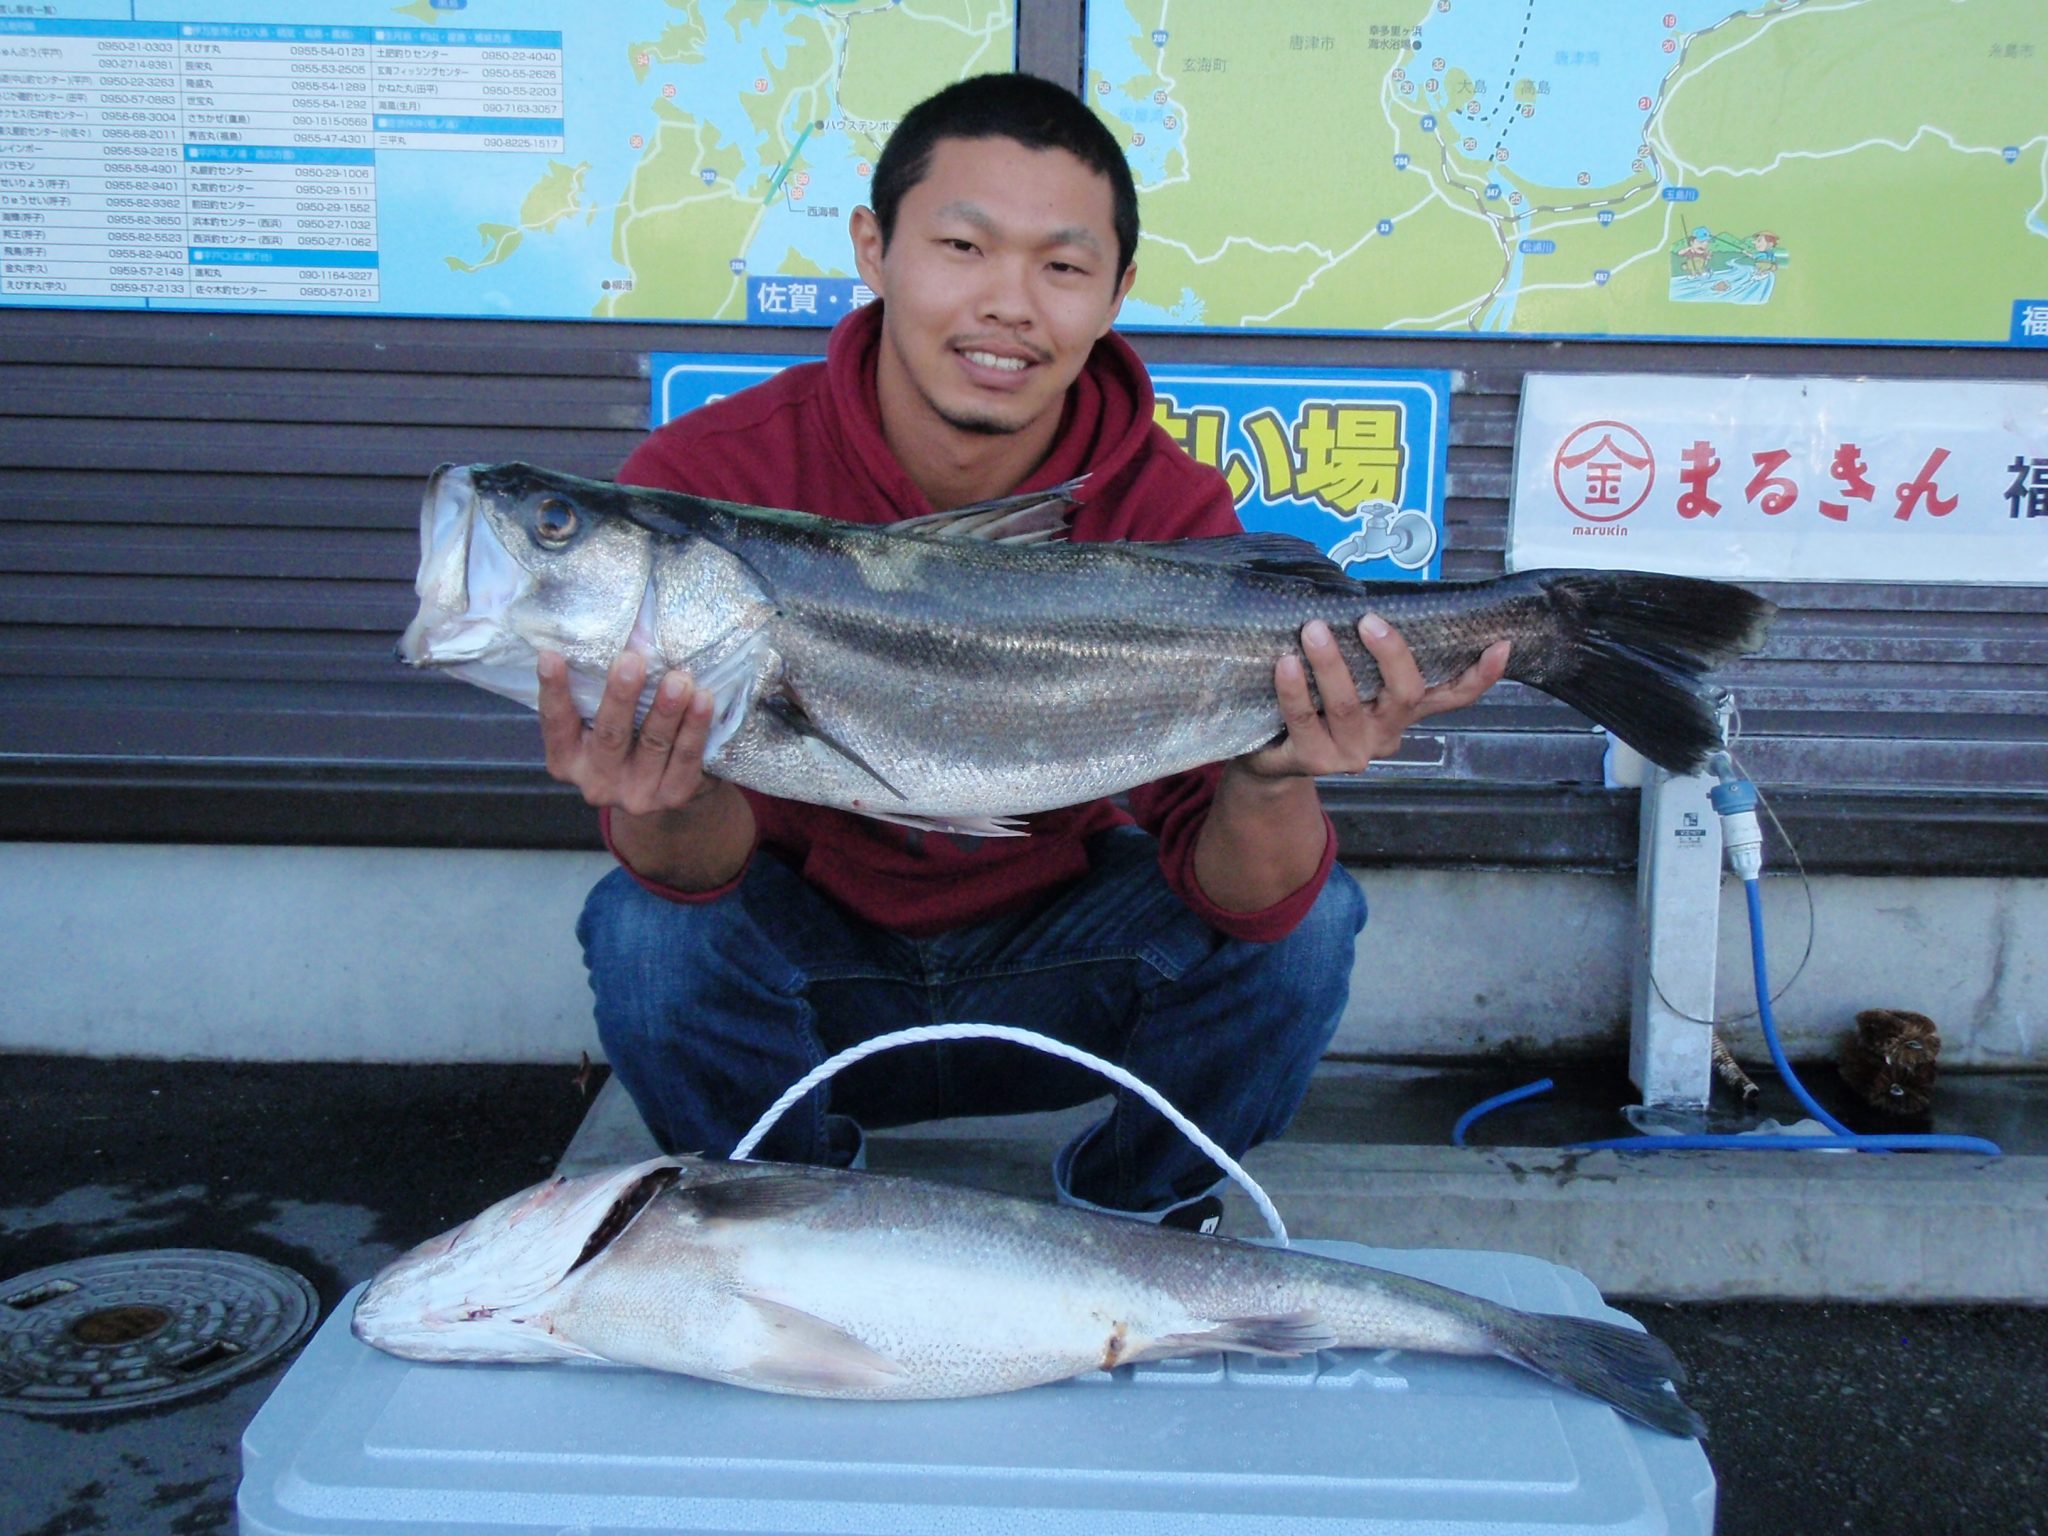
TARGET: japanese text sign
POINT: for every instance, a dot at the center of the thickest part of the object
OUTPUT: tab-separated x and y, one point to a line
1783	479
1350	460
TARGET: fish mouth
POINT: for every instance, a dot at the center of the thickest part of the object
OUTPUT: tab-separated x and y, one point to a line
446	522
465	579
472	1292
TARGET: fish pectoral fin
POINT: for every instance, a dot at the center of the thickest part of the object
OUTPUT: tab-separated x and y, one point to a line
788	708
806	1354
1284	1335
1035	517
762	1198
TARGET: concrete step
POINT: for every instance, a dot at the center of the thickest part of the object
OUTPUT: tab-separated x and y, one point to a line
1673	1226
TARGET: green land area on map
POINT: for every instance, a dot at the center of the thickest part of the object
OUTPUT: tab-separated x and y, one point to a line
731	142
557	195
844	75
1851	171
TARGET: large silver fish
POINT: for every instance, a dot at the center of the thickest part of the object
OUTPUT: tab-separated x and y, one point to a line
827	1283
950	672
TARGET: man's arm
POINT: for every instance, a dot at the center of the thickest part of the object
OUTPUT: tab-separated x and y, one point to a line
670	821
1264	836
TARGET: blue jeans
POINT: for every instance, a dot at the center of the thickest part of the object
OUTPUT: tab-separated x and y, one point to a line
709	1011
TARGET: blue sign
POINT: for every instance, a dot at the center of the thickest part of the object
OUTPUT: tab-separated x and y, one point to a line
813	301
685	380
1350	459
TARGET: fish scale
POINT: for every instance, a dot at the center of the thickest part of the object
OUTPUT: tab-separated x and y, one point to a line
937	673
831	1283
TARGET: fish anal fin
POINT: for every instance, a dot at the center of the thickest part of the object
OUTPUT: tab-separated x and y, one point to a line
806	1354
1283	1335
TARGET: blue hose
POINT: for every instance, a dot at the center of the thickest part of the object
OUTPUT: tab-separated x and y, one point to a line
1753	894
1499	1100
1841	1139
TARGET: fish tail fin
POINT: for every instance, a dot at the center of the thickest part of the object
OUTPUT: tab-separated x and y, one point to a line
1635	648
1623	1367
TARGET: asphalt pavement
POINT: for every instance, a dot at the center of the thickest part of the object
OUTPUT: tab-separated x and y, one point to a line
1823	1417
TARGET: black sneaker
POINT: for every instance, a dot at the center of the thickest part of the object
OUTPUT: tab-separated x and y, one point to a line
846	1144
1203	1215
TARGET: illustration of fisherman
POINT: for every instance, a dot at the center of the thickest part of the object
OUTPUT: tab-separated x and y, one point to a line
1726	269
1697	251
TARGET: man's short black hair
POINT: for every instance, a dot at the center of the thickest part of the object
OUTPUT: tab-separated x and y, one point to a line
1035	113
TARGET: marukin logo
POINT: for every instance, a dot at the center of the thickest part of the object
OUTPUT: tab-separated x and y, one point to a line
1604	471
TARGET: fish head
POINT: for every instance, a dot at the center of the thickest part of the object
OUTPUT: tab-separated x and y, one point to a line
516	560
482	1291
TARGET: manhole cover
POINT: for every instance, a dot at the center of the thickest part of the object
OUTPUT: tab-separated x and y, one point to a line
128	1329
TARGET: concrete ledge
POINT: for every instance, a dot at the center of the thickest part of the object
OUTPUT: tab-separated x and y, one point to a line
439	955
1668	1226
1690	1226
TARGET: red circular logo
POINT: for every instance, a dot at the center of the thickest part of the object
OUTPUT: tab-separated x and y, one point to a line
1603	471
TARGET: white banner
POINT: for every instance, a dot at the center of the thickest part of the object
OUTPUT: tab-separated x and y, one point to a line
1777	479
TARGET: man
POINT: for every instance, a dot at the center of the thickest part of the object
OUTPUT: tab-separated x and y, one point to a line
1207	947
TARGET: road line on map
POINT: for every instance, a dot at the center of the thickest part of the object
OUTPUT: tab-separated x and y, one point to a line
1923	131
788	162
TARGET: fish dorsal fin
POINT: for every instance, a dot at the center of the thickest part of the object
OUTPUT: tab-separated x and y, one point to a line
1278	554
760	1198
1035	517
1283	1336
806	1354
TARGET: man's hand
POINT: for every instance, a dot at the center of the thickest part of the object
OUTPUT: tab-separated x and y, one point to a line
659	768
1349	733
1265	832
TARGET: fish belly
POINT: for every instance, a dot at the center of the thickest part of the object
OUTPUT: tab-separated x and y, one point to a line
872	1315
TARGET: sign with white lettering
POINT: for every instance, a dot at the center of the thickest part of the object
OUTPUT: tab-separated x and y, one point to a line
1779	479
1350	459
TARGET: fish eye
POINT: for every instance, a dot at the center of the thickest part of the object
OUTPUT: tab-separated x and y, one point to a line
554	521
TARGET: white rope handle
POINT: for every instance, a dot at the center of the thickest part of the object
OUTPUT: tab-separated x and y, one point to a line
1109	1069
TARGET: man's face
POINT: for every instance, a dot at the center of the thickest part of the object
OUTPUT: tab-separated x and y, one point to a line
998	280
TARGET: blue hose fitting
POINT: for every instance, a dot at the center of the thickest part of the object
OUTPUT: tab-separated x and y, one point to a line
1734	799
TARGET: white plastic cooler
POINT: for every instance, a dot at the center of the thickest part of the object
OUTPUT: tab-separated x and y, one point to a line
355	1443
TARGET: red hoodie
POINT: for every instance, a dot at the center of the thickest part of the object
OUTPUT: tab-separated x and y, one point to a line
810	438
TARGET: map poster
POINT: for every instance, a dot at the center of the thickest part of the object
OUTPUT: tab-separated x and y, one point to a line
631	160
1783	479
1713	170
1352	460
